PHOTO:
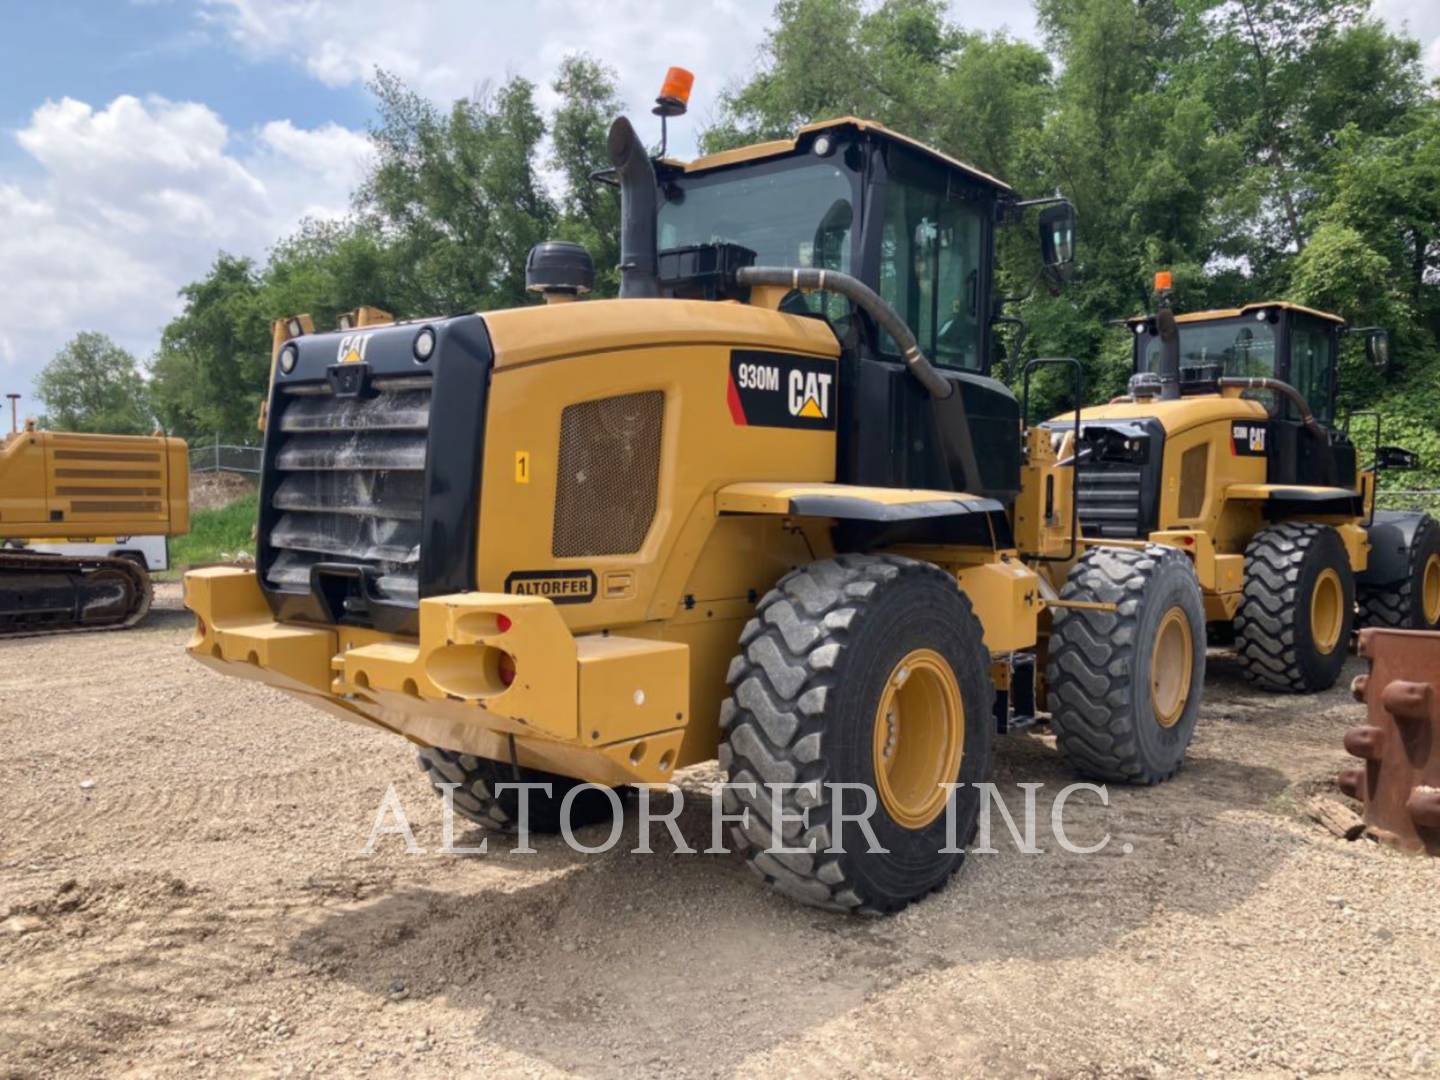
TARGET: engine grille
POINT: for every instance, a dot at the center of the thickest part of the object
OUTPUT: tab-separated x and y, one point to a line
609	474
349	485
1109	501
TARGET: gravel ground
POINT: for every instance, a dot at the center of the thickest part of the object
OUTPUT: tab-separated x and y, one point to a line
183	891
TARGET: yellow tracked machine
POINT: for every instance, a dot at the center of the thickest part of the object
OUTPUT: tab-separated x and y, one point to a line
86	495
767	506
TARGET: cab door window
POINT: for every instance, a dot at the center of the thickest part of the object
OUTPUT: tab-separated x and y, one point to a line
1311	362
930	252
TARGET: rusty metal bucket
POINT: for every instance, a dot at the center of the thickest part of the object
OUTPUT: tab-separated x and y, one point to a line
1399	780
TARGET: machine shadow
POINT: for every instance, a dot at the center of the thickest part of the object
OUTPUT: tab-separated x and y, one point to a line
575	968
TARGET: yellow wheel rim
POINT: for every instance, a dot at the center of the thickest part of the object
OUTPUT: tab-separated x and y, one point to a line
1172	659
1430	590
919	736
1327	611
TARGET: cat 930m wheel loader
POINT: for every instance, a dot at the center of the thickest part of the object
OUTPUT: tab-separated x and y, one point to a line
1226	446
767	506
59	490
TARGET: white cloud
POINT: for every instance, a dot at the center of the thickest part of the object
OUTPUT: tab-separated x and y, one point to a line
450	48
132	201
1421	19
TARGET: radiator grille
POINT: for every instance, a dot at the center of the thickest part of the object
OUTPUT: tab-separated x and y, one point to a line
1109	501
1194	465
348	486
609	474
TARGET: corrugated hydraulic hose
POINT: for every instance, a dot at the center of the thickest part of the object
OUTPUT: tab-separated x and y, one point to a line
1284	389
866	298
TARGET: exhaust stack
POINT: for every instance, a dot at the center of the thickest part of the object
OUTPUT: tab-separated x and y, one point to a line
1169	340
638	203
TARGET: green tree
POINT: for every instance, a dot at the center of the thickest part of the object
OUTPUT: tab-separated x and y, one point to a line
590	211
213	364
92	384
457	194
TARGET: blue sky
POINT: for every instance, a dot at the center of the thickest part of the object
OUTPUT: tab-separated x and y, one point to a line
140	137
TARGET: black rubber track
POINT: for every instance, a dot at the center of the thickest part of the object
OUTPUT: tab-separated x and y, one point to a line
17	568
1098	670
801	711
475	798
1272	626
1399	605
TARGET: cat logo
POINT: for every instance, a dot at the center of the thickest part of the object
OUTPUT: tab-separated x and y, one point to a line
1247	440
352	348
775	389
810	394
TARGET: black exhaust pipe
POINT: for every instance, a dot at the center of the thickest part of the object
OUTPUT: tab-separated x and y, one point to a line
639	264
1169	350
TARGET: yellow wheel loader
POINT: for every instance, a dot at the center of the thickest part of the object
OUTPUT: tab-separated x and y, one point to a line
767	506
1226	447
60	489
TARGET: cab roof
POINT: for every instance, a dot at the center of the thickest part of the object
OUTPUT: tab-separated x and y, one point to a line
780	147
1230	313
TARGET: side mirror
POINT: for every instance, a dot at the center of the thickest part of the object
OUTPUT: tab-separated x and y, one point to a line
1057	239
1377	349
1394	457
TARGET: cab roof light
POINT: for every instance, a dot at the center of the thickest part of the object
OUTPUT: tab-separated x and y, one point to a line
674	96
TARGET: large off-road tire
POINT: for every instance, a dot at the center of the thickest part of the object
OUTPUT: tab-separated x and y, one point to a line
1412	603
477	800
867	670
1292	630
1124	686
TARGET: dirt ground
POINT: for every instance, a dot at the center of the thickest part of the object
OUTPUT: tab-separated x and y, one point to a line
183	891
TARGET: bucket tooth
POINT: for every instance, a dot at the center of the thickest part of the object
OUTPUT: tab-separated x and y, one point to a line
1358	686
1398	783
1366	741
1408	701
1424	807
1352	783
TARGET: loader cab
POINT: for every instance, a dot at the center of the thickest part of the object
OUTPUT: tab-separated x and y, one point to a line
1274	340
915	225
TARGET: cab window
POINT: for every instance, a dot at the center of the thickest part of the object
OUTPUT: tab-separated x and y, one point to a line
796	212
1238	346
930	252
1311	361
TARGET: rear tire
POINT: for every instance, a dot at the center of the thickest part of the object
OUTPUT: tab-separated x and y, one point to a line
477	800
1125	685
1292	631
867	670
1412	603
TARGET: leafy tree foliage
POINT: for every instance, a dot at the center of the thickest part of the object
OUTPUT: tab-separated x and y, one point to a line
1256	148
92	384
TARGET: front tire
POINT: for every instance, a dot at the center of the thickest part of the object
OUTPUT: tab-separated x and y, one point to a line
1125	685
867	670
1414	602
1293	627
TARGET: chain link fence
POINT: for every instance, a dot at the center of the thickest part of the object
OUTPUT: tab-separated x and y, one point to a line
210	457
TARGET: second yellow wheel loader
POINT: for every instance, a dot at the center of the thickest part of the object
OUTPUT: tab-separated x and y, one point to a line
1226	447
768	506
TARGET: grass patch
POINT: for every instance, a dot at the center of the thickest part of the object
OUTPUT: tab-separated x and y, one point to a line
216	534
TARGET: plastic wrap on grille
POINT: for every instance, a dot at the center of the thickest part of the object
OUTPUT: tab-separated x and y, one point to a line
348	485
353	450
609	474
368	494
407	410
